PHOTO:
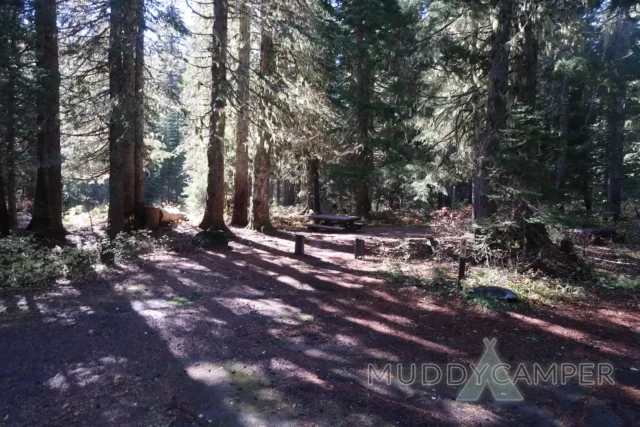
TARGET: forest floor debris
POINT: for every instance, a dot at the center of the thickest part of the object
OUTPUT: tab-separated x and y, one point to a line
253	335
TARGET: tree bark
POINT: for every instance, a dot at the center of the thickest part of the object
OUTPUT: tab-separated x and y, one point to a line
535	233
139	114
47	207
527	73
561	166
14	59
214	209
364	86
240	217
288	193
313	185
116	121
5	225
489	145
616	153
260	201
260	219
129	102
619	48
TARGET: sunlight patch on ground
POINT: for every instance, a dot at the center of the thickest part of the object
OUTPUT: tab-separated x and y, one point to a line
401	320
290	281
385	296
572	334
339	280
22	303
325	307
208	373
552	328
323	355
65	316
58	382
375	353
385	329
274	309
291	370
393	390
347	340
620	318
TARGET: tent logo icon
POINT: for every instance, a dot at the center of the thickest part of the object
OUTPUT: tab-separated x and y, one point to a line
492	373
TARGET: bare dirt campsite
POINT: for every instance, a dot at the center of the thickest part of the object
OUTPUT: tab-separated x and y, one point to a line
254	335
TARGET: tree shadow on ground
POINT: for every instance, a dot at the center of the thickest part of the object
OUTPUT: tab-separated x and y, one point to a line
256	336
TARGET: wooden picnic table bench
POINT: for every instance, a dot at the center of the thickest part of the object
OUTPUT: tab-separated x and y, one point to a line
334	222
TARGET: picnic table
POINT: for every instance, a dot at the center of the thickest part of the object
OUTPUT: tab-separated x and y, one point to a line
334	222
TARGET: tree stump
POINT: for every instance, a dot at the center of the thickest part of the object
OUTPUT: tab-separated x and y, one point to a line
152	218
299	244
359	249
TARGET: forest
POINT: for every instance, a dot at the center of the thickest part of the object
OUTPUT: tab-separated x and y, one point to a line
184	184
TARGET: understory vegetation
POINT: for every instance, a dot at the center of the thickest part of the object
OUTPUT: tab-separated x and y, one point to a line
509	126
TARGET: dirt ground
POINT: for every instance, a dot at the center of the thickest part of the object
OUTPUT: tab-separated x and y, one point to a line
254	336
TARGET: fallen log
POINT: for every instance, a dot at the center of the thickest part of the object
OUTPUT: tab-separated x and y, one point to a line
155	218
167	218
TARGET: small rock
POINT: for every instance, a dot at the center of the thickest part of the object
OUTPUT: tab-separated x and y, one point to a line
496	292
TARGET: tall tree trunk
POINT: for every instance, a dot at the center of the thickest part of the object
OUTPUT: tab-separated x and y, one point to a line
364	87
116	121
139	113
619	48
214	209
129	100
615	159
561	166
260	219
47	207
535	233
313	185
11	117
527	70
496	120
240	216
289	193
5	226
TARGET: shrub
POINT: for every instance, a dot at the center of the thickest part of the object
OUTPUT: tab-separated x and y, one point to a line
25	262
132	245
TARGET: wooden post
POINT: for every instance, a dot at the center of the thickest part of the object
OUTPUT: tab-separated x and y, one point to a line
299	244
359	249
463	262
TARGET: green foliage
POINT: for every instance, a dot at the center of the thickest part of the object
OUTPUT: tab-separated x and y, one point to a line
26	262
211	239
133	245
621	283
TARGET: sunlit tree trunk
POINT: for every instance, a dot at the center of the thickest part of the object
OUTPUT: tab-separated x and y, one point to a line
260	219
241	182
47	207
214	208
116	121
496	119
139	113
129	102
